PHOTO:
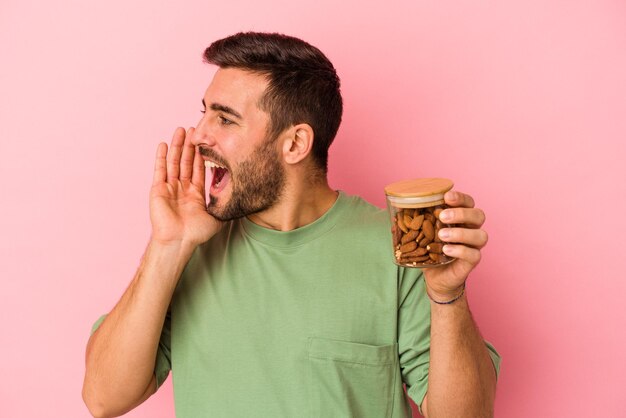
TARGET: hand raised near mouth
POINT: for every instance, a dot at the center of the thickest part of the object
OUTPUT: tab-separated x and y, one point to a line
177	198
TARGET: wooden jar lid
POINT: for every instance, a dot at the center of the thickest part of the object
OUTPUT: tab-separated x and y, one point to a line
419	187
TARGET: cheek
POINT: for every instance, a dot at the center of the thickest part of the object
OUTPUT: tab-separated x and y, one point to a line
231	150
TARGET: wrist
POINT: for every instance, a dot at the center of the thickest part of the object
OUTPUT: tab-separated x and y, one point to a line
171	247
174	254
445	297
161	267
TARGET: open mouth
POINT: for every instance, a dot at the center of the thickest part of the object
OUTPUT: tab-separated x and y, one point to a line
220	176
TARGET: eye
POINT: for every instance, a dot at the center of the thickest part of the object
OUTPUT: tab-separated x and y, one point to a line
203	111
225	121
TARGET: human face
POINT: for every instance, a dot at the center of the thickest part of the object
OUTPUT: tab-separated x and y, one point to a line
247	175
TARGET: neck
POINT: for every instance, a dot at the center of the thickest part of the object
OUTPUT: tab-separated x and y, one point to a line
298	206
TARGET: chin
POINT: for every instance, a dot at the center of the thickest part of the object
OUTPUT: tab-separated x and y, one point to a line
218	207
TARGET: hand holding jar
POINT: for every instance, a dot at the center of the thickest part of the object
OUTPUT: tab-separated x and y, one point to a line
457	236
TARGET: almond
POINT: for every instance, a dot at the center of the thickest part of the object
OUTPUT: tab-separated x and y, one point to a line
419	259
407	220
410	236
396	234
408	247
435	247
416	253
429	230
400	223
425	241
416	223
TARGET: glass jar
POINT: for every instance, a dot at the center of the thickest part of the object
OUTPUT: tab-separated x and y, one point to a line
414	207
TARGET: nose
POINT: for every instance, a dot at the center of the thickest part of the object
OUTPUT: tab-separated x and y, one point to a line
202	134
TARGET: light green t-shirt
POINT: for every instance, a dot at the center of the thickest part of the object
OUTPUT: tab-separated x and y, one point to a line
315	322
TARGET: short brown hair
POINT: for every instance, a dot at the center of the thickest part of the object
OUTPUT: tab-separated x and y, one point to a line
303	85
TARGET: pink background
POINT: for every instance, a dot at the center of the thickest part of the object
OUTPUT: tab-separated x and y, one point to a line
522	103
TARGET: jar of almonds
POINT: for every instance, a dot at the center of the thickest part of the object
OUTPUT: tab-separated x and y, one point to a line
414	207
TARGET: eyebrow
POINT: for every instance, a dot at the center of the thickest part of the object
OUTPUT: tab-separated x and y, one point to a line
223	108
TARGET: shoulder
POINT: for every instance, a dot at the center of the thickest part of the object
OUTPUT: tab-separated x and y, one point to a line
364	214
365	225
371	226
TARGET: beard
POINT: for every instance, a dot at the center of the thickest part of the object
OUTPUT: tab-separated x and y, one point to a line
257	183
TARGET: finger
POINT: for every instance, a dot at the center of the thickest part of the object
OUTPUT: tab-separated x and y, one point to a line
472	217
456	199
173	156
198	177
186	161
160	170
476	238
463	264
466	255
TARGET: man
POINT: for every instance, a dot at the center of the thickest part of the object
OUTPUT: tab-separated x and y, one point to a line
280	298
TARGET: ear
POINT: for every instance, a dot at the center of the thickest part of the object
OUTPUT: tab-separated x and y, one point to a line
297	143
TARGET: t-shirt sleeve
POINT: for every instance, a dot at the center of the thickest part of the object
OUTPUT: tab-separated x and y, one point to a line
163	363
414	334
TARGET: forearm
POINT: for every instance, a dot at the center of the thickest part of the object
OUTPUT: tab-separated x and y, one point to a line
462	378
121	354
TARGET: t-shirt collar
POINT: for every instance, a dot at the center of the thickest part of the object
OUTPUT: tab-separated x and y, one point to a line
301	235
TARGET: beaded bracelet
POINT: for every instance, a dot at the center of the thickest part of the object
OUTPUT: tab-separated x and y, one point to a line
449	301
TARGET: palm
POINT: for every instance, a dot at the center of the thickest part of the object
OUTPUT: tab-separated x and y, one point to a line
178	212
177	199
466	240
450	276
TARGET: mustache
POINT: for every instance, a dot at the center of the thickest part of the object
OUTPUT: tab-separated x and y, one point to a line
212	155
